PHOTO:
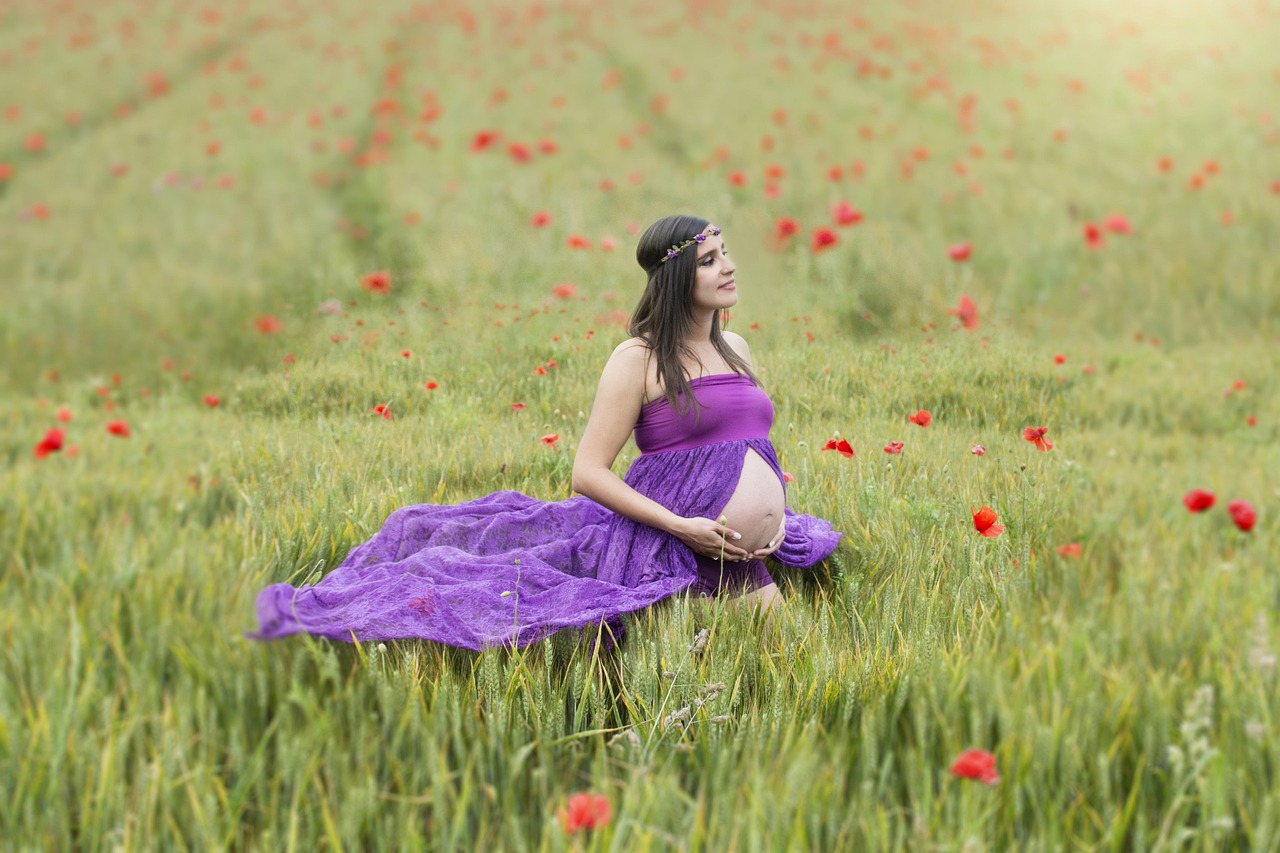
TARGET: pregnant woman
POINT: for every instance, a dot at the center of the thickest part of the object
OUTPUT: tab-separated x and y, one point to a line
698	511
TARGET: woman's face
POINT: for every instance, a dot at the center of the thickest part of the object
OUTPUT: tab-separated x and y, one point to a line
713	284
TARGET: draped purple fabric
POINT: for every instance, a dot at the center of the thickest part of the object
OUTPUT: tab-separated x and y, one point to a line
508	569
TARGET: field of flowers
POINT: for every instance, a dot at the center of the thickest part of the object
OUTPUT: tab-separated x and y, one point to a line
1009	273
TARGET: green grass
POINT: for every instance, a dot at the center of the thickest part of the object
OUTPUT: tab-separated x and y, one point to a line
1129	694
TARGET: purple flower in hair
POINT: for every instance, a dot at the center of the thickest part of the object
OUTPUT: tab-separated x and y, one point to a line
671	253
699	238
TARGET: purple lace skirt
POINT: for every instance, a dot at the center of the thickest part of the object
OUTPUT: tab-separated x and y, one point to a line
508	569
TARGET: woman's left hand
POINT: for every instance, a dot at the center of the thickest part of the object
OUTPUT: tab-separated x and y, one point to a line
774	543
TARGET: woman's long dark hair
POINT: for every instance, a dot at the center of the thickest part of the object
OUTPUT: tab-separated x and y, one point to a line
664	317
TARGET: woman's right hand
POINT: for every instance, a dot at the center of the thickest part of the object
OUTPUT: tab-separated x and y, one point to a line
710	538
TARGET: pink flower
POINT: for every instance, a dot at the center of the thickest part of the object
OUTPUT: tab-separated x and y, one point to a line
893	447
978	450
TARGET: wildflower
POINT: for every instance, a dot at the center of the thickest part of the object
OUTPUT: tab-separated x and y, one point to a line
541	219
823	239
984	521
846	214
841	446
268	324
893	447
785	227
518	407
577	241
212	400
922	418
1117	223
564	290
1093	236
1059	359
960	251
978	450
383	409
966	311
51	443
483	139
976	764
118	428
585	811
1198	500
1071	550
551	440
64	414
432	385
1243	514
377	282
1035	435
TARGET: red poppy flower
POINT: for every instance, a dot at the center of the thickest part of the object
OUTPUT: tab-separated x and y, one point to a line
484	139
51	443
118	428
518	407
1198	500
1059	359
1243	514
519	152
377	282
846	214
564	290
550	440
432	385
1071	550
1093	236
984	521
212	400
787	477
785	227
960	251
737	179
1117	223
268	324
966	311
383	409
893	447
585	811
1035	435
577	241
6	171
976	764
63	415
978	450
923	418
541	219
823	239
841	446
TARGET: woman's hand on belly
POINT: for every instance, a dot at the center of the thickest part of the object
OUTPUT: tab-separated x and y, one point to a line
774	544
757	506
711	538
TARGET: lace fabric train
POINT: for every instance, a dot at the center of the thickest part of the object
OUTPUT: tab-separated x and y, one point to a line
507	568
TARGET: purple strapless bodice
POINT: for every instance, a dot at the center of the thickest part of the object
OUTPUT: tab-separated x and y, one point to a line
732	409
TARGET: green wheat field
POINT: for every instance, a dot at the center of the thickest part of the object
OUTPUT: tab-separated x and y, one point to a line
229	231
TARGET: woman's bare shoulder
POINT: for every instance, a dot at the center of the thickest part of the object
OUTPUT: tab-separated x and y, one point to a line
738	344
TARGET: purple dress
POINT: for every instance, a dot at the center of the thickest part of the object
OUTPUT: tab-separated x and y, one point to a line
507	568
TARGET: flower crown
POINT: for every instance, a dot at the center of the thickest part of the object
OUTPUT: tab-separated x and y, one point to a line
709	231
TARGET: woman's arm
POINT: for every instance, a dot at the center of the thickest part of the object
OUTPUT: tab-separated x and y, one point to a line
613	417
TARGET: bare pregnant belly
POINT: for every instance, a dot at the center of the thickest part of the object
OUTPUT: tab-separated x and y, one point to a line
755	509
